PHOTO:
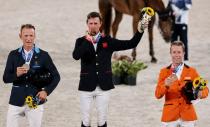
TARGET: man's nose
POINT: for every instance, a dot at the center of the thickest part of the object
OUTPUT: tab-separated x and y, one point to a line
28	39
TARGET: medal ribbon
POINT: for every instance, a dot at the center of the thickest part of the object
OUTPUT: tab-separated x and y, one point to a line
175	70
28	59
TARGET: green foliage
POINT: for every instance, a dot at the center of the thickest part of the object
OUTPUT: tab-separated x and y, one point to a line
135	67
116	68
121	67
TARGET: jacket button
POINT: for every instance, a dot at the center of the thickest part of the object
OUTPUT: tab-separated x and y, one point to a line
97	64
97	73
96	55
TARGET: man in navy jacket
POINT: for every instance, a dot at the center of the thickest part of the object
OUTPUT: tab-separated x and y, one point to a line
18	69
95	51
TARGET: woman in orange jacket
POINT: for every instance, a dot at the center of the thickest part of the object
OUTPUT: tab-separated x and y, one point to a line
177	110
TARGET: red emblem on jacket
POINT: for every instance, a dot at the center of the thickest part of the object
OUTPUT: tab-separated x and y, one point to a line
105	45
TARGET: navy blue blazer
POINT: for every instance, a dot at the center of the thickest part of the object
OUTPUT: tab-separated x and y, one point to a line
20	88
96	65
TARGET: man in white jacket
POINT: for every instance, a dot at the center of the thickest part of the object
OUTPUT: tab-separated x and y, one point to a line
180	10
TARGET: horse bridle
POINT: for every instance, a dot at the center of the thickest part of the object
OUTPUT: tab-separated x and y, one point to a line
163	15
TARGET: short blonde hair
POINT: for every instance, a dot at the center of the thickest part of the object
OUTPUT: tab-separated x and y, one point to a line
29	26
178	43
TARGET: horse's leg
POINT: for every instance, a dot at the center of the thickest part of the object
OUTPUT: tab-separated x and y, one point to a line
115	25
105	9
151	48
135	24
117	20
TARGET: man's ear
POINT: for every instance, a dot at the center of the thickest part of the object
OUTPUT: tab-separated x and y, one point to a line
20	35
101	23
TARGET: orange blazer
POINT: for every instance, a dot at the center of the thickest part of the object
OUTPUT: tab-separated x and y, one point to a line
175	106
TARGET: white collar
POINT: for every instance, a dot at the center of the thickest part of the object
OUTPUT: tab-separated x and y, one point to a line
27	52
97	35
179	70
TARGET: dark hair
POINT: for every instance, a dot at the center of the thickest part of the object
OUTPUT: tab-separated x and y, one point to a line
29	26
93	15
178	43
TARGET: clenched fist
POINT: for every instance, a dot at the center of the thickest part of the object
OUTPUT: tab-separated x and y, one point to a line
21	70
142	25
147	14
169	80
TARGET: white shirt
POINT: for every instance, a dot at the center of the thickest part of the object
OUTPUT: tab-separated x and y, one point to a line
179	70
96	39
181	10
26	53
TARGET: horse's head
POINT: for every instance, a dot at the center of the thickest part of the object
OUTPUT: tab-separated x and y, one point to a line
165	20
165	24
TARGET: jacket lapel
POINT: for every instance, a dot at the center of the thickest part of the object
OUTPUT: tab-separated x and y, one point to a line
35	58
89	44
185	75
99	40
32	59
21	60
99	44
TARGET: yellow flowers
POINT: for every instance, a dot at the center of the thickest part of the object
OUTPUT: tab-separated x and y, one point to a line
199	83
30	102
148	10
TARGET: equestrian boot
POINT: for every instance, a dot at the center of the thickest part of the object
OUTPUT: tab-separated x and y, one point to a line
82	125
105	125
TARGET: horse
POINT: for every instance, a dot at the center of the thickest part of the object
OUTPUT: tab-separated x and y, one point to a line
133	7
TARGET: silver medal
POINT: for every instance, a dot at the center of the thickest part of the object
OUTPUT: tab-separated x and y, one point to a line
26	66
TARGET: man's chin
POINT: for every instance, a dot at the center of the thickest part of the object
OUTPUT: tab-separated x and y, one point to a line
28	45
178	62
93	33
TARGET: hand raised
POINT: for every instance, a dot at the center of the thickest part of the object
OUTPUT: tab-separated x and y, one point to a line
147	14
